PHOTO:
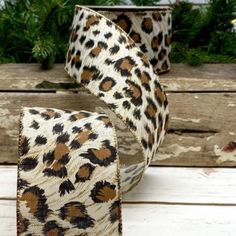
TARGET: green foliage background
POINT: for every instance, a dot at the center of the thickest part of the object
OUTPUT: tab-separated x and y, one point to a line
38	30
204	35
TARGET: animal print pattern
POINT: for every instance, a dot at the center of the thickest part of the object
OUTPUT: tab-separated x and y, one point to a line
70	177
150	30
123	78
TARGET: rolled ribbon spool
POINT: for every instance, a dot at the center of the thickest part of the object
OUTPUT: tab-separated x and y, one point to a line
150	29
73	165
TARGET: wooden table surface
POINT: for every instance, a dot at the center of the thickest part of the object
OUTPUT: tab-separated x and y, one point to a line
190	190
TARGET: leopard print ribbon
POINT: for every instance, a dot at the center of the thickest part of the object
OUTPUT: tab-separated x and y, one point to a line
149	28
70	171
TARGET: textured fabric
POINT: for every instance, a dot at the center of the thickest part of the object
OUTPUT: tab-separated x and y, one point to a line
70	176
150	30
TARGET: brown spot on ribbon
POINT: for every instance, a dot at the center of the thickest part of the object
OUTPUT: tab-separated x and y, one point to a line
76	214
103	191
60	150
126	65
83	136
145	60
115	211
159	95
31	201
157	16
52	228
162	54
151	111
56	166
106	121
150	138
36	202
167	40
102	153
77	58
50	114
81	115
74	36
87	75
52	232
155	44
105	194
69	54
73	211
95	51
103	156
122	23
136	37
92	20
147	25
136	92
84	173
144	78
107	86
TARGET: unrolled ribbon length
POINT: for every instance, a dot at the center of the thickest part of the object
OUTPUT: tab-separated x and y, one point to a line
73	165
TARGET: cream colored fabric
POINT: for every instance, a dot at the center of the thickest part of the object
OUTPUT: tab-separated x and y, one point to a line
70	176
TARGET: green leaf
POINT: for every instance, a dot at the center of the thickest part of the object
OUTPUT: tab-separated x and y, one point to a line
50	85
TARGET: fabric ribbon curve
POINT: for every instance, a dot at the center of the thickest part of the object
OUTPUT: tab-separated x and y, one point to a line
74	165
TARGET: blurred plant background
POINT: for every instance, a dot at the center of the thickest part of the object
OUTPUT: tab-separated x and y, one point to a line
204	34
38	30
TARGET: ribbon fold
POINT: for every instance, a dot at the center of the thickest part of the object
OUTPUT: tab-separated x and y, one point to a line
74	165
